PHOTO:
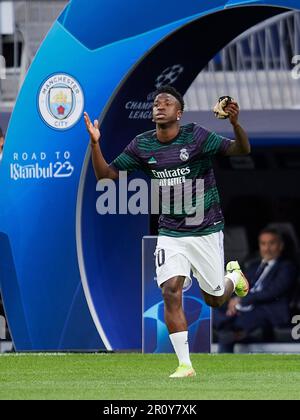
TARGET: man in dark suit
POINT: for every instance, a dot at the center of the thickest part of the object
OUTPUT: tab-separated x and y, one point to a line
272	280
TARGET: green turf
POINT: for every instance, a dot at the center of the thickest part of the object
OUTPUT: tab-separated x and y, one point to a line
137	376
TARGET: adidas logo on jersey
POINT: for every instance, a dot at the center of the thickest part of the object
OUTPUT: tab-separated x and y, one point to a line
152	160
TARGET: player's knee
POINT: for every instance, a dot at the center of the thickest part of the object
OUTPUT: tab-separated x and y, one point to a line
171	294
214	301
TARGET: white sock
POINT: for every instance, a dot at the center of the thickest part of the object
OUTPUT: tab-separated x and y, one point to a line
234	277
181	347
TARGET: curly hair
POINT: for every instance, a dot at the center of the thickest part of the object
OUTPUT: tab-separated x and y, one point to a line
171	91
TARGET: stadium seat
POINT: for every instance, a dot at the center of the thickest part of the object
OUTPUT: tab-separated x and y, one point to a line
236	245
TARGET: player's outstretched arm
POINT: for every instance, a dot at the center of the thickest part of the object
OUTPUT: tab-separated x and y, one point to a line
101	167
241	145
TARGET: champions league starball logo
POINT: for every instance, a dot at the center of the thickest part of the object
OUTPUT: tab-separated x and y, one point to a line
61	101
157	339
169	75
142	109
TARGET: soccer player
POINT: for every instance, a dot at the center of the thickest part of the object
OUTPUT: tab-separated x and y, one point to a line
176	154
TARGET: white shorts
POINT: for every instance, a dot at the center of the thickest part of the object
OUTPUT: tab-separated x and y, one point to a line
204	255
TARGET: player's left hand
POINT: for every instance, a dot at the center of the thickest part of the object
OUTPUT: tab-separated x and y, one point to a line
233	111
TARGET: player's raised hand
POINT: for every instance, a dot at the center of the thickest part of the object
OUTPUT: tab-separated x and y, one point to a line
93	129
233	111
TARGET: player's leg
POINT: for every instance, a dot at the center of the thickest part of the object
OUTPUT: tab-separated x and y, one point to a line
175	319
218	301
234	281
206	255
174	314
173	274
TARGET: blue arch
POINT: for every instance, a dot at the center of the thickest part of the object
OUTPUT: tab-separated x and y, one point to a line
71	279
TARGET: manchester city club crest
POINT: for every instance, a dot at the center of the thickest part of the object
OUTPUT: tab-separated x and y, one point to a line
184	155
61	101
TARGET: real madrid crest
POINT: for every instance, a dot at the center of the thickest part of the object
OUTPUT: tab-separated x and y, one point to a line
184	155
61	101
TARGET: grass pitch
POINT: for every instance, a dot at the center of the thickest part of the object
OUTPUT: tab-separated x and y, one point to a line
137	376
